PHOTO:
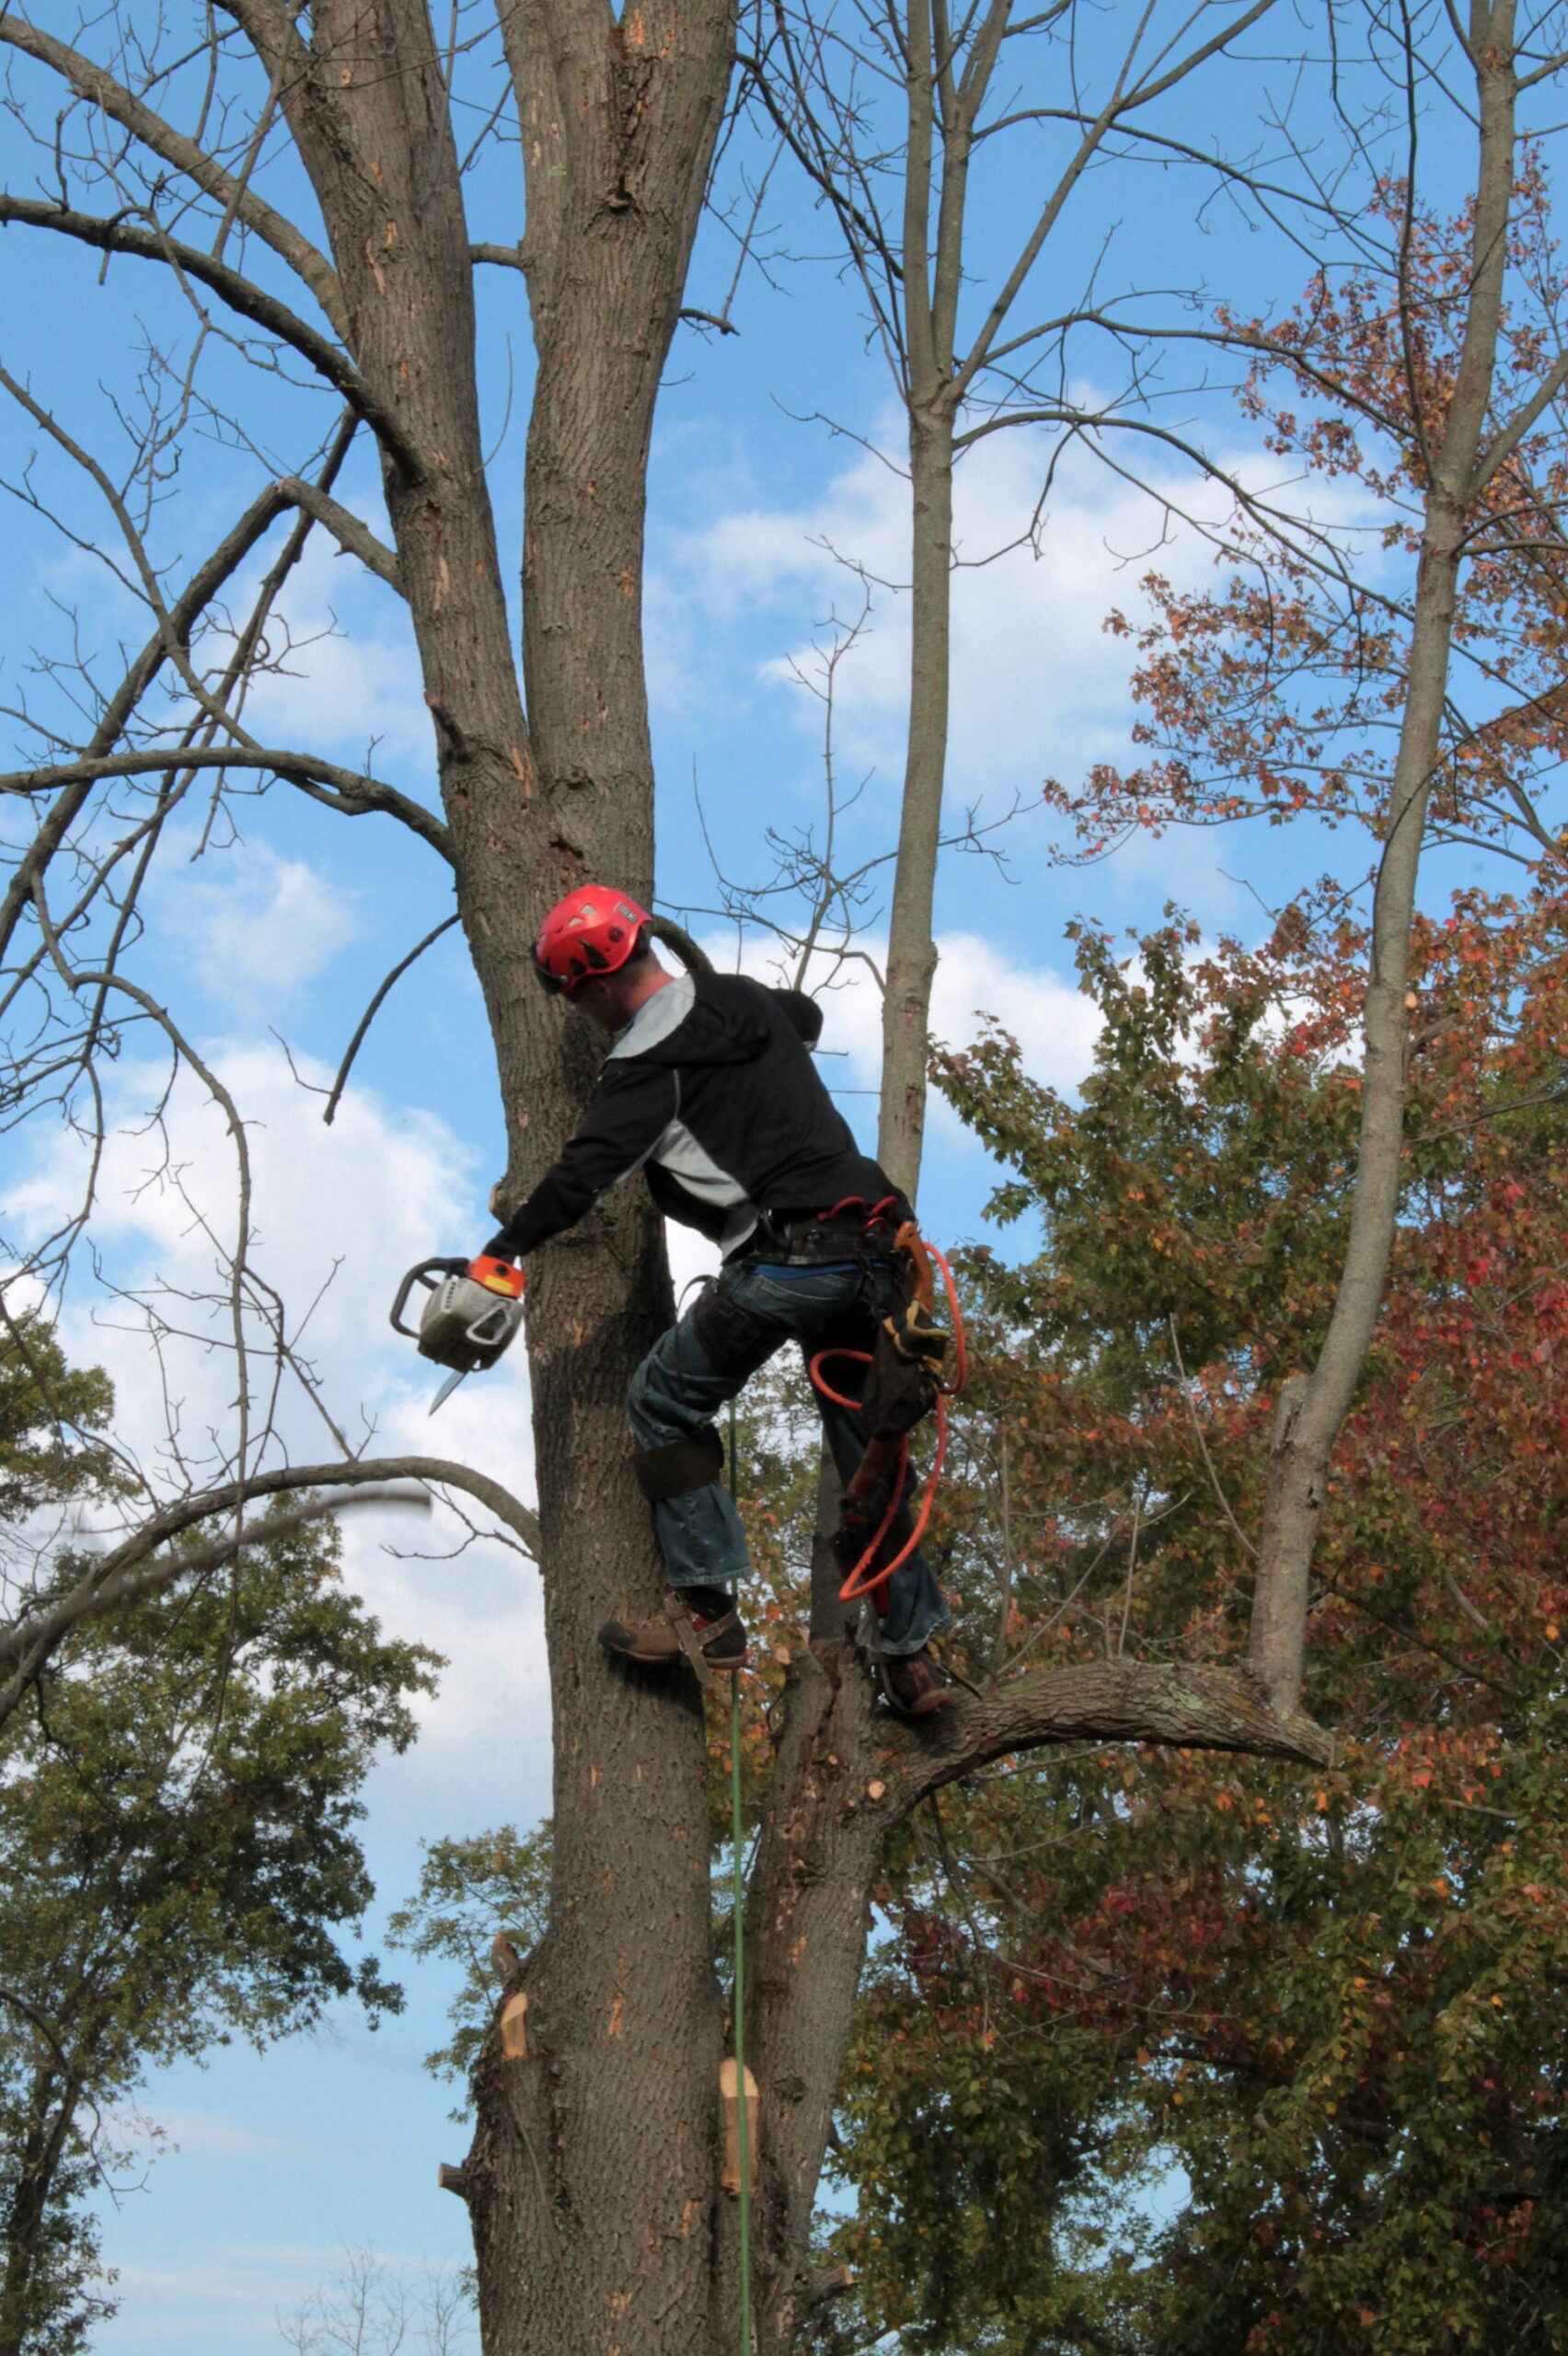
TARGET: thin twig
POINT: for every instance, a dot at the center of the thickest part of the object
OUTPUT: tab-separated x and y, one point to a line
368	1017
1132	1566
1203	1445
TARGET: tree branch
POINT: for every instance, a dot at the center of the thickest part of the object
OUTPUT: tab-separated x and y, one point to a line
1508	438
100	89
117	1577
338	789
368	1017
1189	1707
203	586
241	294
30	1642
352	536
502	256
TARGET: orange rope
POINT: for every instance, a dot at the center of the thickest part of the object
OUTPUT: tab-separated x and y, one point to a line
960	1346
855	1587
861	1358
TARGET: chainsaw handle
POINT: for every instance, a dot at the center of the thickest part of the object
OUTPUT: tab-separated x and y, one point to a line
429	1272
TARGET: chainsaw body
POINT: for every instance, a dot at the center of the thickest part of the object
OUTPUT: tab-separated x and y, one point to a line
471	1313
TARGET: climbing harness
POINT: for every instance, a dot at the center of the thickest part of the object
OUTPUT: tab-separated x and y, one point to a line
471	1316
906	1375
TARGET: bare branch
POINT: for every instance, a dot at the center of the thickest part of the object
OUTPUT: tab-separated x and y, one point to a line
32	1640
502	256
354	537
348	791
368	1017
1122	102
100	89
116	1577
202	587
241	294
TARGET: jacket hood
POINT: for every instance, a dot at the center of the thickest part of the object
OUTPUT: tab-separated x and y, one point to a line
701	1019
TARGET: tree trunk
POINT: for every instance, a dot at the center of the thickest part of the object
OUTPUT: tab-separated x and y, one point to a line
911	951
1308	1431
591	2180
594	2159
50	2112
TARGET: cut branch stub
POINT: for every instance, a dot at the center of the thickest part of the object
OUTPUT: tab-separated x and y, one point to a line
515	2027
730	2181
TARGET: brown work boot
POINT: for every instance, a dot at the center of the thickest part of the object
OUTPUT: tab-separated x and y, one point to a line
720	1642
913	1684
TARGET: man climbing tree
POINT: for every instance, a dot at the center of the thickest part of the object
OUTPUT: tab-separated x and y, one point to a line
711	1089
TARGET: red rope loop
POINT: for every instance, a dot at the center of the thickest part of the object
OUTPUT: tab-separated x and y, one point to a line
856	1585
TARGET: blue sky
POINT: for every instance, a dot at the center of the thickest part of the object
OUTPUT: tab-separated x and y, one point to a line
279	932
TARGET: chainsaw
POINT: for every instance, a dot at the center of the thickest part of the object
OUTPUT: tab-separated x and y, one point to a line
472	1312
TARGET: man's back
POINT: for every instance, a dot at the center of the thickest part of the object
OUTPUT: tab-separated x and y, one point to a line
712	1089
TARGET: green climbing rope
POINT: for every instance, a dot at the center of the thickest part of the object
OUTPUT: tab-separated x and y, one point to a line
737	1842
740	2001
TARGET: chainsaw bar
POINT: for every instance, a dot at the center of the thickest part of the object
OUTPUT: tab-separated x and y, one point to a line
459	1374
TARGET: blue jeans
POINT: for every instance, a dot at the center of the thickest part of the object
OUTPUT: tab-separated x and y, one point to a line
678	1389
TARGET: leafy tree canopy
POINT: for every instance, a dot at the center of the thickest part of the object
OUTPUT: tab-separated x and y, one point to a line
180	1855
1317	2028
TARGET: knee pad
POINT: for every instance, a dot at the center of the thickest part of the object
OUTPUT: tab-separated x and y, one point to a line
681	1465
734	1340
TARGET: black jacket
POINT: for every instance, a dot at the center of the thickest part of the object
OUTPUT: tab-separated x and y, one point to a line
711	1089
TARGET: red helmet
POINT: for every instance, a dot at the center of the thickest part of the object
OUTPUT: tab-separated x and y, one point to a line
591	931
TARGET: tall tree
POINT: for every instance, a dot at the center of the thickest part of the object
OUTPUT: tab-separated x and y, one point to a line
906	120
178	1855
296	184
1428	368
1335	2005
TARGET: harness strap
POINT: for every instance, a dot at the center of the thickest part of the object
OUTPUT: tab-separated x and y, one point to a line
690	1643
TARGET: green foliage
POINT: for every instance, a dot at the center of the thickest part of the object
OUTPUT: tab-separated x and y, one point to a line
52	1416
470	1890
179	1856
1315	2031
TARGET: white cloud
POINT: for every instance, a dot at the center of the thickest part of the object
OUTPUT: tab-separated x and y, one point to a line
1038	688
1054	1023
338	1215
180	2128
1037	683
256	928
240	2289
